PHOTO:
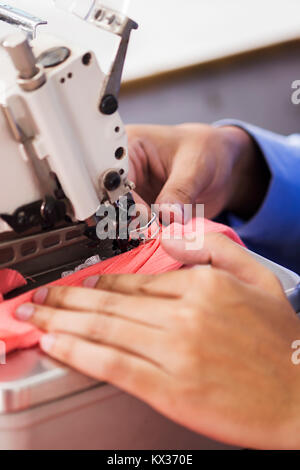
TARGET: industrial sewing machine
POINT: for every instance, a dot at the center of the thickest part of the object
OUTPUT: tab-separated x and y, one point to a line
64	157
63	145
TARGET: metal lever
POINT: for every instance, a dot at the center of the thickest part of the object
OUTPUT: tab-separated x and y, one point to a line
119	24
20	18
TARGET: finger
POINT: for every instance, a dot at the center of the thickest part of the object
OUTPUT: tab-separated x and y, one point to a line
170	285
187	180
150	311
148	146
189	176
136	338
221	252
182	186
143	210
132	374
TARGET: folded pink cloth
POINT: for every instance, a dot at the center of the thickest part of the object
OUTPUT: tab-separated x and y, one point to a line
149	258
10	280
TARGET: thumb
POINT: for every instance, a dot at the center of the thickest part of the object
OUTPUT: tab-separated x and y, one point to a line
222	253
182	188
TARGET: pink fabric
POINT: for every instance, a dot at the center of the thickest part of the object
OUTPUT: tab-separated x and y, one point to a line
10	280
147	259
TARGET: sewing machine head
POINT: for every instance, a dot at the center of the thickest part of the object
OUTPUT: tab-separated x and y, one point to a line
63	144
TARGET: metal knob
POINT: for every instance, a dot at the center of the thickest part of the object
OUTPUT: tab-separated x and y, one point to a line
31	75
21	54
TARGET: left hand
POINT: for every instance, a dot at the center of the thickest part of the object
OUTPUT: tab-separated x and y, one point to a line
209	348
222	168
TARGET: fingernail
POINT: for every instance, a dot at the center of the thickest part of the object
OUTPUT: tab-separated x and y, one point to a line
172	213
178	213
40	295
190	236
24	312
91	281
176	207
47	342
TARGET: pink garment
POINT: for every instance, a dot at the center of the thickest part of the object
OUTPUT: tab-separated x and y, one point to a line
9	280
147	259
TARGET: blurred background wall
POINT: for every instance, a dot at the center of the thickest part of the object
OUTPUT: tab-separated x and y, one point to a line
202	34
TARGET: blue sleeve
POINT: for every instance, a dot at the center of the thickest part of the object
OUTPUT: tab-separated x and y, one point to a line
274	231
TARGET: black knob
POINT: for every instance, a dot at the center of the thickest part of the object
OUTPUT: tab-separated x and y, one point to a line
112	181
109	104
22	219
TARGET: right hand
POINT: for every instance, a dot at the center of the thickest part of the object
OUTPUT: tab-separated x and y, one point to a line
197	163
210	348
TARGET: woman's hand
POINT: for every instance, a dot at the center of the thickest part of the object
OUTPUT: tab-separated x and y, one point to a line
196	163
209	348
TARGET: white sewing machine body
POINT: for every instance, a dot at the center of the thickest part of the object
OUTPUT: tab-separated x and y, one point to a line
45	405
68	133
63	146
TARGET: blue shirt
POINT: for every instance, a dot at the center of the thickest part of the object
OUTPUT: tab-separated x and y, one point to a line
274	231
